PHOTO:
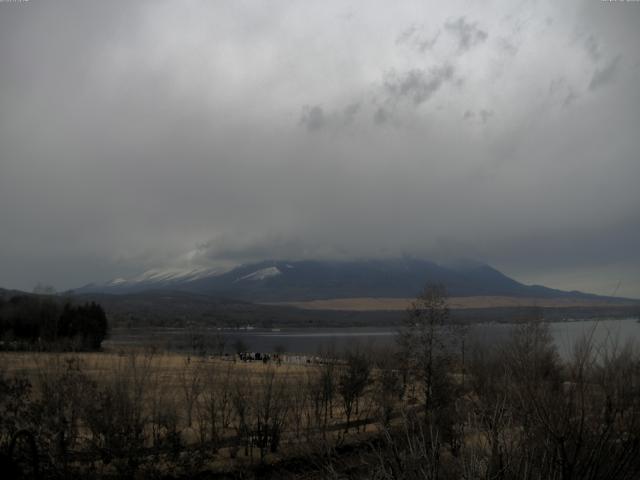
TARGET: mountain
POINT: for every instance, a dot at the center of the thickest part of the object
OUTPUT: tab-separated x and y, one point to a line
155	279
282	281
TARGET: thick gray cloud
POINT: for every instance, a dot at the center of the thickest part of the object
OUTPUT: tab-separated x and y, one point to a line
417	85
381	116
481	116
417	38
351	111
593	48
146	134
467	34
604	75
313	117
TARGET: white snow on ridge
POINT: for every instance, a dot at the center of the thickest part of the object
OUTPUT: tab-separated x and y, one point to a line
173	274
261	274
157	275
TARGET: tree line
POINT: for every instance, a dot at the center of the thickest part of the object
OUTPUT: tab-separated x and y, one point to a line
46	322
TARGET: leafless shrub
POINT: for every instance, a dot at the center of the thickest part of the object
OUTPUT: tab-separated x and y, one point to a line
388	391
299	406
116	416
16	411
271	408
191	385
409	451
215	408
354	378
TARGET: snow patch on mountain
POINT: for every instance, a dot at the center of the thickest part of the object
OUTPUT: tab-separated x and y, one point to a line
164	276
173	274
261	274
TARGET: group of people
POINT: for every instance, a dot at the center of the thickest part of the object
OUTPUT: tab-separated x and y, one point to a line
257	357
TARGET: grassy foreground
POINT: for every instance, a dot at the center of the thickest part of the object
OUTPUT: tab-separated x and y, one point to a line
511	411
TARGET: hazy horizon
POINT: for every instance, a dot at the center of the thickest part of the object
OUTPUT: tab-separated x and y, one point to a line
155	134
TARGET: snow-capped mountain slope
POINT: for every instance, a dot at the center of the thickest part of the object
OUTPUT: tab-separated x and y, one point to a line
174	274
153	279
273	281
261	274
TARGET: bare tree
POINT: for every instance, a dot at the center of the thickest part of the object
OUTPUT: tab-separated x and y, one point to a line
423	343
215	405
270	407
387	394
354	379
190	377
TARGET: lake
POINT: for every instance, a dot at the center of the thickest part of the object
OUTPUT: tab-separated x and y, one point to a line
314	340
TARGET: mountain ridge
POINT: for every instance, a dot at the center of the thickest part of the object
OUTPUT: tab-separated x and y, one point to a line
304	280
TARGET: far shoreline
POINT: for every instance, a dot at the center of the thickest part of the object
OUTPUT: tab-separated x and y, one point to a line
372	304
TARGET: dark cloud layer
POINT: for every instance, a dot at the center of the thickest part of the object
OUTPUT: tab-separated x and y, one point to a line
604	75
417	85
147	134
467	34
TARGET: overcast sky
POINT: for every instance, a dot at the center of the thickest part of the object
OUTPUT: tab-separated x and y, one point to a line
141	134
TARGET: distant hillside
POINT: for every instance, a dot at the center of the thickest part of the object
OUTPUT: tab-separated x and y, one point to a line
170	308
4	293
182	309
285	281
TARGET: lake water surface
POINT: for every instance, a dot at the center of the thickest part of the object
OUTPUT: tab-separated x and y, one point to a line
314	340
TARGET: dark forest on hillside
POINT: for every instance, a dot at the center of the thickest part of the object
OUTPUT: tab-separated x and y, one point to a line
31	322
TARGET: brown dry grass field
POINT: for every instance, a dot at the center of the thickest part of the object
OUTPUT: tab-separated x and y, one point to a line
186	383
104	365
156	413
367	304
